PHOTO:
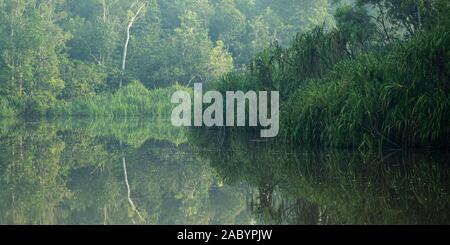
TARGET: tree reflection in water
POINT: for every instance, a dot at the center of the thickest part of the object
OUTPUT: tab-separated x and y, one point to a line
72	172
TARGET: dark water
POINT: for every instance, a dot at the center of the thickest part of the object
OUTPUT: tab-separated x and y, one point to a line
143	172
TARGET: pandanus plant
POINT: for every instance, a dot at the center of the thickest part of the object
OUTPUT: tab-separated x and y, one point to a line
266	64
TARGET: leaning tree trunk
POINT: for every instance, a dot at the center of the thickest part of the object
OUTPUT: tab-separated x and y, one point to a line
127	41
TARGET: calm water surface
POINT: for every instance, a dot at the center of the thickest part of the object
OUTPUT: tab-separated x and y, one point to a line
137	171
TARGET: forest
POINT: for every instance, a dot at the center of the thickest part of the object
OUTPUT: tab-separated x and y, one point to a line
352	74
85	104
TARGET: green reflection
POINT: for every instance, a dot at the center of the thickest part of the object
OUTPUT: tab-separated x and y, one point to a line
311	186
139	171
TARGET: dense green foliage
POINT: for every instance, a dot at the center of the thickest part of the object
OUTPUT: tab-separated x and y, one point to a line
399	98
65	50
85	91
361	85
134	100
364	73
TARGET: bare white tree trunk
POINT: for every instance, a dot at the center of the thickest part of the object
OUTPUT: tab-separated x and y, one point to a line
127	41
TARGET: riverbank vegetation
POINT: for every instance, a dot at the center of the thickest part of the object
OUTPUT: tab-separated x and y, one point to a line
86	136
397	98
133	100
359	74
53	52
362	84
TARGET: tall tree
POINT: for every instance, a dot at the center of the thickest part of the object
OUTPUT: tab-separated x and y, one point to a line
133	15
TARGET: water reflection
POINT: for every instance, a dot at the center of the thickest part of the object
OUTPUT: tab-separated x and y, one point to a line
137	171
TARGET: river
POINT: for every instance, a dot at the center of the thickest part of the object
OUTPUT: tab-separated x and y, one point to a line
137	171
